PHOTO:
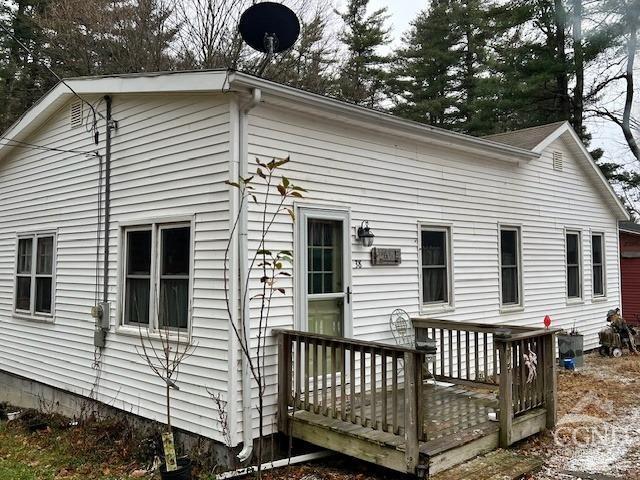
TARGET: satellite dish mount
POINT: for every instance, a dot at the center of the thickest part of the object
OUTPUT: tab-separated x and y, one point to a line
270	28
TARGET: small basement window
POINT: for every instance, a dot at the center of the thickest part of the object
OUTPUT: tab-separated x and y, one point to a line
34	286
157	259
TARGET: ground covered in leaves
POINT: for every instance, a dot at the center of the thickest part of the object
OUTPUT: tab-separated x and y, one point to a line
598	436
50	447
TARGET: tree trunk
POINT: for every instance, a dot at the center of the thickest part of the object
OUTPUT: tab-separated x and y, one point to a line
562	76
632	48
578	92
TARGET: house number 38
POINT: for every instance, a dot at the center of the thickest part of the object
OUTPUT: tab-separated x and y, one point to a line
358	264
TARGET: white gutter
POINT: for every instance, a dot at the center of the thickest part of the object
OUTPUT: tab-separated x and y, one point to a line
277	464
385	121
243	252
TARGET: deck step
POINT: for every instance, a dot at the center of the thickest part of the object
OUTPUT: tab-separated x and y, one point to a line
497	465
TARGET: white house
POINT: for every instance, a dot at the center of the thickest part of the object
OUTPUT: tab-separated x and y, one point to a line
511	228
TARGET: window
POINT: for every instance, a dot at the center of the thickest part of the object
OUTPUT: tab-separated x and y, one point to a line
434	246
574	274
510	266
597	261
157	259
34	275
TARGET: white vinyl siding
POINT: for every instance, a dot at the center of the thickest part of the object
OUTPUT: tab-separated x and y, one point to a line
397	183
170	159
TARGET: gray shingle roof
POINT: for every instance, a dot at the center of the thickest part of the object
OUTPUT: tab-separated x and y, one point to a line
527	138
630	227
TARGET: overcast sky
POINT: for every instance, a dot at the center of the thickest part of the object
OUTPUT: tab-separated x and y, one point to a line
606	135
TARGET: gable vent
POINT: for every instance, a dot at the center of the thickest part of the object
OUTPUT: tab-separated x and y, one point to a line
557	161
75	114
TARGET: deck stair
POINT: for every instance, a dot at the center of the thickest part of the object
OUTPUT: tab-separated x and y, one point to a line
497	465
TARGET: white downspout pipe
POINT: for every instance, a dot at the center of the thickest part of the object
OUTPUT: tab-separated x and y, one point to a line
243	252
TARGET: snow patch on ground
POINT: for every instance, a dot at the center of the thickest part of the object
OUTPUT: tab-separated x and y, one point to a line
610	448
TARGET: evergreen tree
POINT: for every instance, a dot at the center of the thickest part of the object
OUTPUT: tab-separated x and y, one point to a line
361	76
22	78
423	78
308	65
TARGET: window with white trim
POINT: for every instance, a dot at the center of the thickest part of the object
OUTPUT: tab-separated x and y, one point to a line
510	260
435	265
574	265
34	274
157	275
597	264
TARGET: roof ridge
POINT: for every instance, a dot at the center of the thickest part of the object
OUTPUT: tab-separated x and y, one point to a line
509	132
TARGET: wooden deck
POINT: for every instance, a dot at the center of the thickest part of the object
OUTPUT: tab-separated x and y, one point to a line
371	401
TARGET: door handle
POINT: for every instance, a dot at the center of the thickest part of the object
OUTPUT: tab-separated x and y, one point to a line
348	294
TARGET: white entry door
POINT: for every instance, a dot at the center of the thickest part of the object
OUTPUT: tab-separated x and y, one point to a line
324	280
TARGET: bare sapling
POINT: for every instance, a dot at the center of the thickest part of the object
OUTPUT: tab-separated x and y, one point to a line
164	350
271	194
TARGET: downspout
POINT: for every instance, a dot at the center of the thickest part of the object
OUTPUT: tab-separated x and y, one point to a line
243	251
107	200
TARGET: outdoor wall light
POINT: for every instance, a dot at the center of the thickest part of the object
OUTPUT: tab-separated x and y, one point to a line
365	235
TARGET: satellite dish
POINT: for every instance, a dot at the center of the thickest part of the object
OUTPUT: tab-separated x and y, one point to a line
269	27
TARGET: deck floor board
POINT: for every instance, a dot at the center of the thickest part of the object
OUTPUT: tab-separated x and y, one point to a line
450	414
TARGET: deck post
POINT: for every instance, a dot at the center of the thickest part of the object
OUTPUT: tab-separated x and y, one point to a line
550	379
412	452
505	392
284	380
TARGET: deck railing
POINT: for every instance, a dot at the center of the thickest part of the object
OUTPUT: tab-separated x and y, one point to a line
527	378
364	383
369	384
521	360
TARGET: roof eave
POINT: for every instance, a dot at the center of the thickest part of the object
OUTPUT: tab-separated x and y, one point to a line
486	148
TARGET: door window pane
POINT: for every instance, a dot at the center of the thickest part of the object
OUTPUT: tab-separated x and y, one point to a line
324	256
435	277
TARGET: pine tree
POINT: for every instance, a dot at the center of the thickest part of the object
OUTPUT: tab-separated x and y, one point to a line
361	76
423	78
23	79
308	65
